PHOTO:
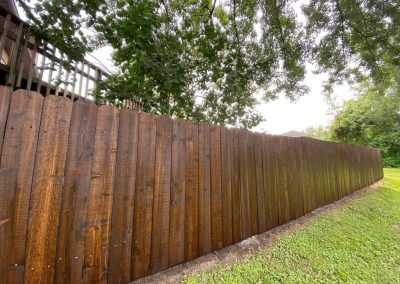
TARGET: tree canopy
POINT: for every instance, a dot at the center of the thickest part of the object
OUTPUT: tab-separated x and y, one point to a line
212	60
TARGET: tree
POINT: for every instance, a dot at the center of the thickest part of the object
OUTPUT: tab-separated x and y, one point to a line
319	132
62	23
373	120
355	40
203	60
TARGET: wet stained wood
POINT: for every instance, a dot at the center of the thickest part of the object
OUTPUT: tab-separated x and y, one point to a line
98	223
204	190
71	230
16	171
244	185
143	209
235	185
216	196
47	187
123	198
162	188
177	202
261	188
191	190
226	187
252	182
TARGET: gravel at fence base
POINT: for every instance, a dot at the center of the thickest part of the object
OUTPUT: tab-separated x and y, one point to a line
247	247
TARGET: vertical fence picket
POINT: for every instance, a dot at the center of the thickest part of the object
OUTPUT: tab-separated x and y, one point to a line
162	194
73	213
17	165
47	187
143	209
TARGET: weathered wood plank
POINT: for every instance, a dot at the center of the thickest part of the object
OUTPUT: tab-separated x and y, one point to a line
204	190
235	186
226	183
251	165
261	188
71	231
162	187
123	198
177	207
98	223
143	209
16	171
47	186
216	201
244	184
192	191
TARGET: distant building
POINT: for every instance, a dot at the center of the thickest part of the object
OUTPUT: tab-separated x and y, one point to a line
295	133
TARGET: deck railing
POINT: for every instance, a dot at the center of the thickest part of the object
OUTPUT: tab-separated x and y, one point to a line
31	63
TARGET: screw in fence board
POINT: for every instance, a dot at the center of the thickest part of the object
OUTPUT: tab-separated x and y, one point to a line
4	35
42	68
22	61
14	56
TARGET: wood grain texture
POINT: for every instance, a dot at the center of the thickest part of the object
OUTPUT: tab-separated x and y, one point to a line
251	165
177	202
191	191
244	184
123	198
16	171
235	186
143	209
216	194
261	188
73	213
47	186
162	192
98	222
226	186
204	190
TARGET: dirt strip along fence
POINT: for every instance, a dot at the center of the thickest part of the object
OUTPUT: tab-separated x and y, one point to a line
96	194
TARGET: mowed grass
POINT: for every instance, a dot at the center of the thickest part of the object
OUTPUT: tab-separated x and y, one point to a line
356	243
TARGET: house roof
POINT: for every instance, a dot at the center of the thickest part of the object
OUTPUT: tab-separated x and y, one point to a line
294	133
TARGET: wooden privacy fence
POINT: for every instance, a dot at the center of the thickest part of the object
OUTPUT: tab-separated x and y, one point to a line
97	194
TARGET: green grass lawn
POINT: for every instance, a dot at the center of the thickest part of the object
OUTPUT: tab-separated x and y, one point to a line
357	243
